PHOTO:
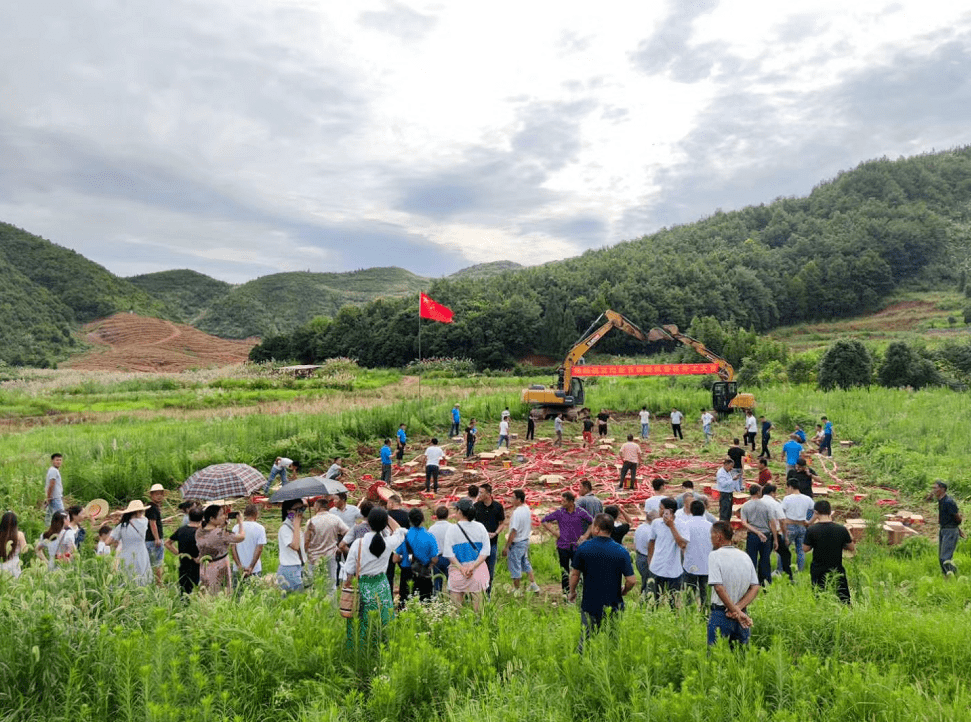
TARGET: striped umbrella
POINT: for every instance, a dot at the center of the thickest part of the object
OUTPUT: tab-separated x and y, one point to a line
223	481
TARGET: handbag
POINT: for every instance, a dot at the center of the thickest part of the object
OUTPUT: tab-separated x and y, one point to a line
350	599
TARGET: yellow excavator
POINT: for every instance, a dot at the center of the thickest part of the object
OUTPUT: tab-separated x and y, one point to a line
724	392
565	395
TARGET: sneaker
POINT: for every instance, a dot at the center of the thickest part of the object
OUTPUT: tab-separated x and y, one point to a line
950	568
534	587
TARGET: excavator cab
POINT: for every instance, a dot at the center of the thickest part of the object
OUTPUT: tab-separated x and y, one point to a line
722	393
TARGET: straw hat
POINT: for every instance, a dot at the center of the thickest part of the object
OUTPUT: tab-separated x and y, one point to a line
156	487
134	506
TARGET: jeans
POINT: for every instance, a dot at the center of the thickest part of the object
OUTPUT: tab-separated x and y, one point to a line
469	446
386	473
719	625
455	429
796	533
632	468
53	506
707	429
643	569
289	578
947	541
275	471
431	476
592	623
826	445
759	552
441	573
645	430
503	439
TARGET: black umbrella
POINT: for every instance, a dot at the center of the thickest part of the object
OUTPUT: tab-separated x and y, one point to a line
299	488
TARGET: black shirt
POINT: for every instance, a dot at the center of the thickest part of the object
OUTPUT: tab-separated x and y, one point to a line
947	512
827	540
736	454
588	424
490	516
400	516
804	479
470	434
619	532
154	516
603	417
185	541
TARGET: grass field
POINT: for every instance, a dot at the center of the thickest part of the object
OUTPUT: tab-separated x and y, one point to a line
79	645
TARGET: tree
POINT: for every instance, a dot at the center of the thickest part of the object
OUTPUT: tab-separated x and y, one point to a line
902	366
844	365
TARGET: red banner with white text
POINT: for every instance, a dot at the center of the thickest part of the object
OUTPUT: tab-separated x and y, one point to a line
647	370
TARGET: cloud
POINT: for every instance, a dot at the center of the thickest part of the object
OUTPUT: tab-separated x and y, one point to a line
400	21
669	49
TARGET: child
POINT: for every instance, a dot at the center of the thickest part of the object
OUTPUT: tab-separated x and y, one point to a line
103	533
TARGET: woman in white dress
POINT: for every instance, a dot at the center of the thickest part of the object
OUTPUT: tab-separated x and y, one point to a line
129	537
12	543
57	543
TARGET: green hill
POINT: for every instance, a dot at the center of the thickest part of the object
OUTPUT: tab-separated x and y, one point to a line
884	227
187	293
281	302
486	270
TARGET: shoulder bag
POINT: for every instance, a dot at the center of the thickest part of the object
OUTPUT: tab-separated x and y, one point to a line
422	571
350	593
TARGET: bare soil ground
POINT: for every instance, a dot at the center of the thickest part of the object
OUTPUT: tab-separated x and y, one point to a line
126	342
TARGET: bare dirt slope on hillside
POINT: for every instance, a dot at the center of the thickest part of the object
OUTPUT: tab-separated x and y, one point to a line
127	342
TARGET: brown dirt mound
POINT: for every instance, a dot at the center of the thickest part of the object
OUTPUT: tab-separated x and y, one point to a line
126	342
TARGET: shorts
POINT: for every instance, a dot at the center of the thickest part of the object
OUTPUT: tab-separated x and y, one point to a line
156	554
518	559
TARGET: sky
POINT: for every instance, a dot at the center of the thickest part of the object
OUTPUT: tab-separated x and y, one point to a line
241	138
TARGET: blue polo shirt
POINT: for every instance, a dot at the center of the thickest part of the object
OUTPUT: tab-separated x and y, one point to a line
401	436
603	563
423	546
828	428
802	436
456	416
385	454
792	449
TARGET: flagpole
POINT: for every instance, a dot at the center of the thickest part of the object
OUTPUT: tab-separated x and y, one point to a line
419	349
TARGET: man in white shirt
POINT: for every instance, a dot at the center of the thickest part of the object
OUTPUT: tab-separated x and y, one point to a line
652	507
798	508
248	554
642	540
645	422
684	513
503	433
433	459
53	489
335	471
676	418
438	530
696	552
516	549
279	468
734	583
707	419
751	429
727	485
558	429
667	539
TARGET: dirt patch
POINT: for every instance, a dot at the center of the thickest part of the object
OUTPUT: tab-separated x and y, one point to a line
126	342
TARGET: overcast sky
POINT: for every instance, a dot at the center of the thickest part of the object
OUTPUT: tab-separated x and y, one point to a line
246	137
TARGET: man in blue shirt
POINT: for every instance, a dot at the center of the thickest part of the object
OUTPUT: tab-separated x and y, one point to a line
799	434
402	440
608	575
766	435
827	443
419	552
791	451
386	461
456	421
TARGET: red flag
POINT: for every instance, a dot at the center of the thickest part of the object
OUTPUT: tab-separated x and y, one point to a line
427	308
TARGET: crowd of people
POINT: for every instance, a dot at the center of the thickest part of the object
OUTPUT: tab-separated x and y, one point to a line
682	553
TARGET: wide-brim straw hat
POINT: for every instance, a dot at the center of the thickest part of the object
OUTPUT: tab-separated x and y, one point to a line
156	487
134	506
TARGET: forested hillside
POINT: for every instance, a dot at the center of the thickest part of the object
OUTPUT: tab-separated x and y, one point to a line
47	290
840	251
187	293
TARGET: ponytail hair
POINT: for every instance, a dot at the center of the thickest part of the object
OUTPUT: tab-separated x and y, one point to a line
377	519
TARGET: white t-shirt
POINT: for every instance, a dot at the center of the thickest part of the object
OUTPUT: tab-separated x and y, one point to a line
58	490
333	471
645	417
776	506
733	569
503	428
438	530
666	561
557	424
796	507
699	546
706	419
103	549
653	505
522	522
433	455
349	516
751	424
255	536
285	463
370	564
457	547
676	417
642	535
289	557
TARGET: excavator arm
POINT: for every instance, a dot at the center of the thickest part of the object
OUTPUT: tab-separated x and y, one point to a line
671	333
591	337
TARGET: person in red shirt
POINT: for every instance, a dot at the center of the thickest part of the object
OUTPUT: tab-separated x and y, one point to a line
765	476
